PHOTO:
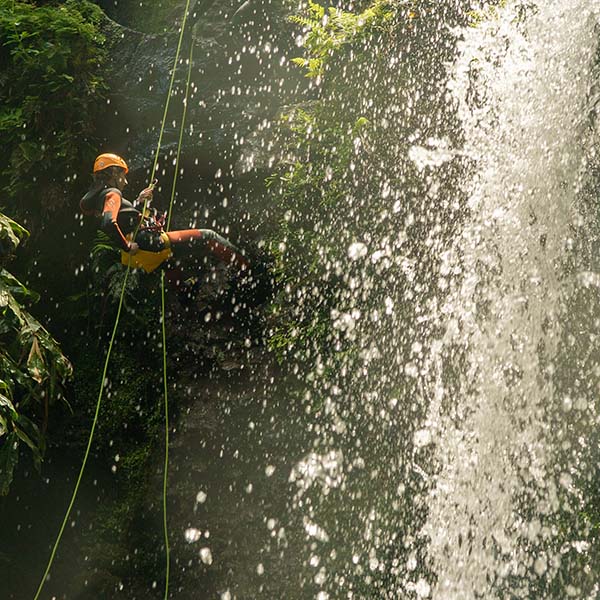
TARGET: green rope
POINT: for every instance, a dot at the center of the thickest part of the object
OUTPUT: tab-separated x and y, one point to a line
181	129
91	436
166	110
164	119
110	346
166	463
163	319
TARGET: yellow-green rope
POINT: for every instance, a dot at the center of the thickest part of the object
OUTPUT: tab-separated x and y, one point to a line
164	119
181	129
166	463
163	319
89	444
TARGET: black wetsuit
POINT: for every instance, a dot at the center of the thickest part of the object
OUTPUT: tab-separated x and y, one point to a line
119	218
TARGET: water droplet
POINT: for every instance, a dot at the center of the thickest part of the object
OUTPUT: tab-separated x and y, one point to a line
540	565
192	535
357	250
206	556
422	588
422	438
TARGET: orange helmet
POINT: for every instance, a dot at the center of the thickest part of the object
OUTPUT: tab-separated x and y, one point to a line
103	161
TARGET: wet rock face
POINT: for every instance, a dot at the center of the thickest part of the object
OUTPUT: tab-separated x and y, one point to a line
240	78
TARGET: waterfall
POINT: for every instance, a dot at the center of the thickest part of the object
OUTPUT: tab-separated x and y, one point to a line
522	82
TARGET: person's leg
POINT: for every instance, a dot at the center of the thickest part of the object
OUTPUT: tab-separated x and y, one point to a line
192	239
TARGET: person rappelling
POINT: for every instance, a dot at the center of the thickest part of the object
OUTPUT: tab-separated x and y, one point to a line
141	236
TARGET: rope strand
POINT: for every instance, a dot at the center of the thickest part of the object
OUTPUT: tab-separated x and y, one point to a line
166	462
181	129
91	437
164	333
164	119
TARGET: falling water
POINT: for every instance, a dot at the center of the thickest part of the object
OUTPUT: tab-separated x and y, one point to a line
522	82
450	453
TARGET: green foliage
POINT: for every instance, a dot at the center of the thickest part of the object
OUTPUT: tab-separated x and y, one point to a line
487	13
328	30
347	177
491	12
51	85
11	234
93	308
32	368
326	140
309	191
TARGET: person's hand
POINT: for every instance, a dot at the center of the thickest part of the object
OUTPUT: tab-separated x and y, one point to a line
146	194
133	248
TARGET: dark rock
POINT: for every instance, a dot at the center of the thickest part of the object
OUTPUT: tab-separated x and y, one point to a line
239	66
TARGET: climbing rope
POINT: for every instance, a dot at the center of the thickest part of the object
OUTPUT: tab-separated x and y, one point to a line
111	343
89	444
164	119
163	319
181	129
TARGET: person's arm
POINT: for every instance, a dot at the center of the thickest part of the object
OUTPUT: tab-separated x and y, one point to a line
110	212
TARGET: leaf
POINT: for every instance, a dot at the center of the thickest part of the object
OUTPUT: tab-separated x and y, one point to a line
5	401
35	361
7	409
30	150
318	11
29	433
13	286
4	298
361	123
11	118
11	232
302	62
49	48
9	457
